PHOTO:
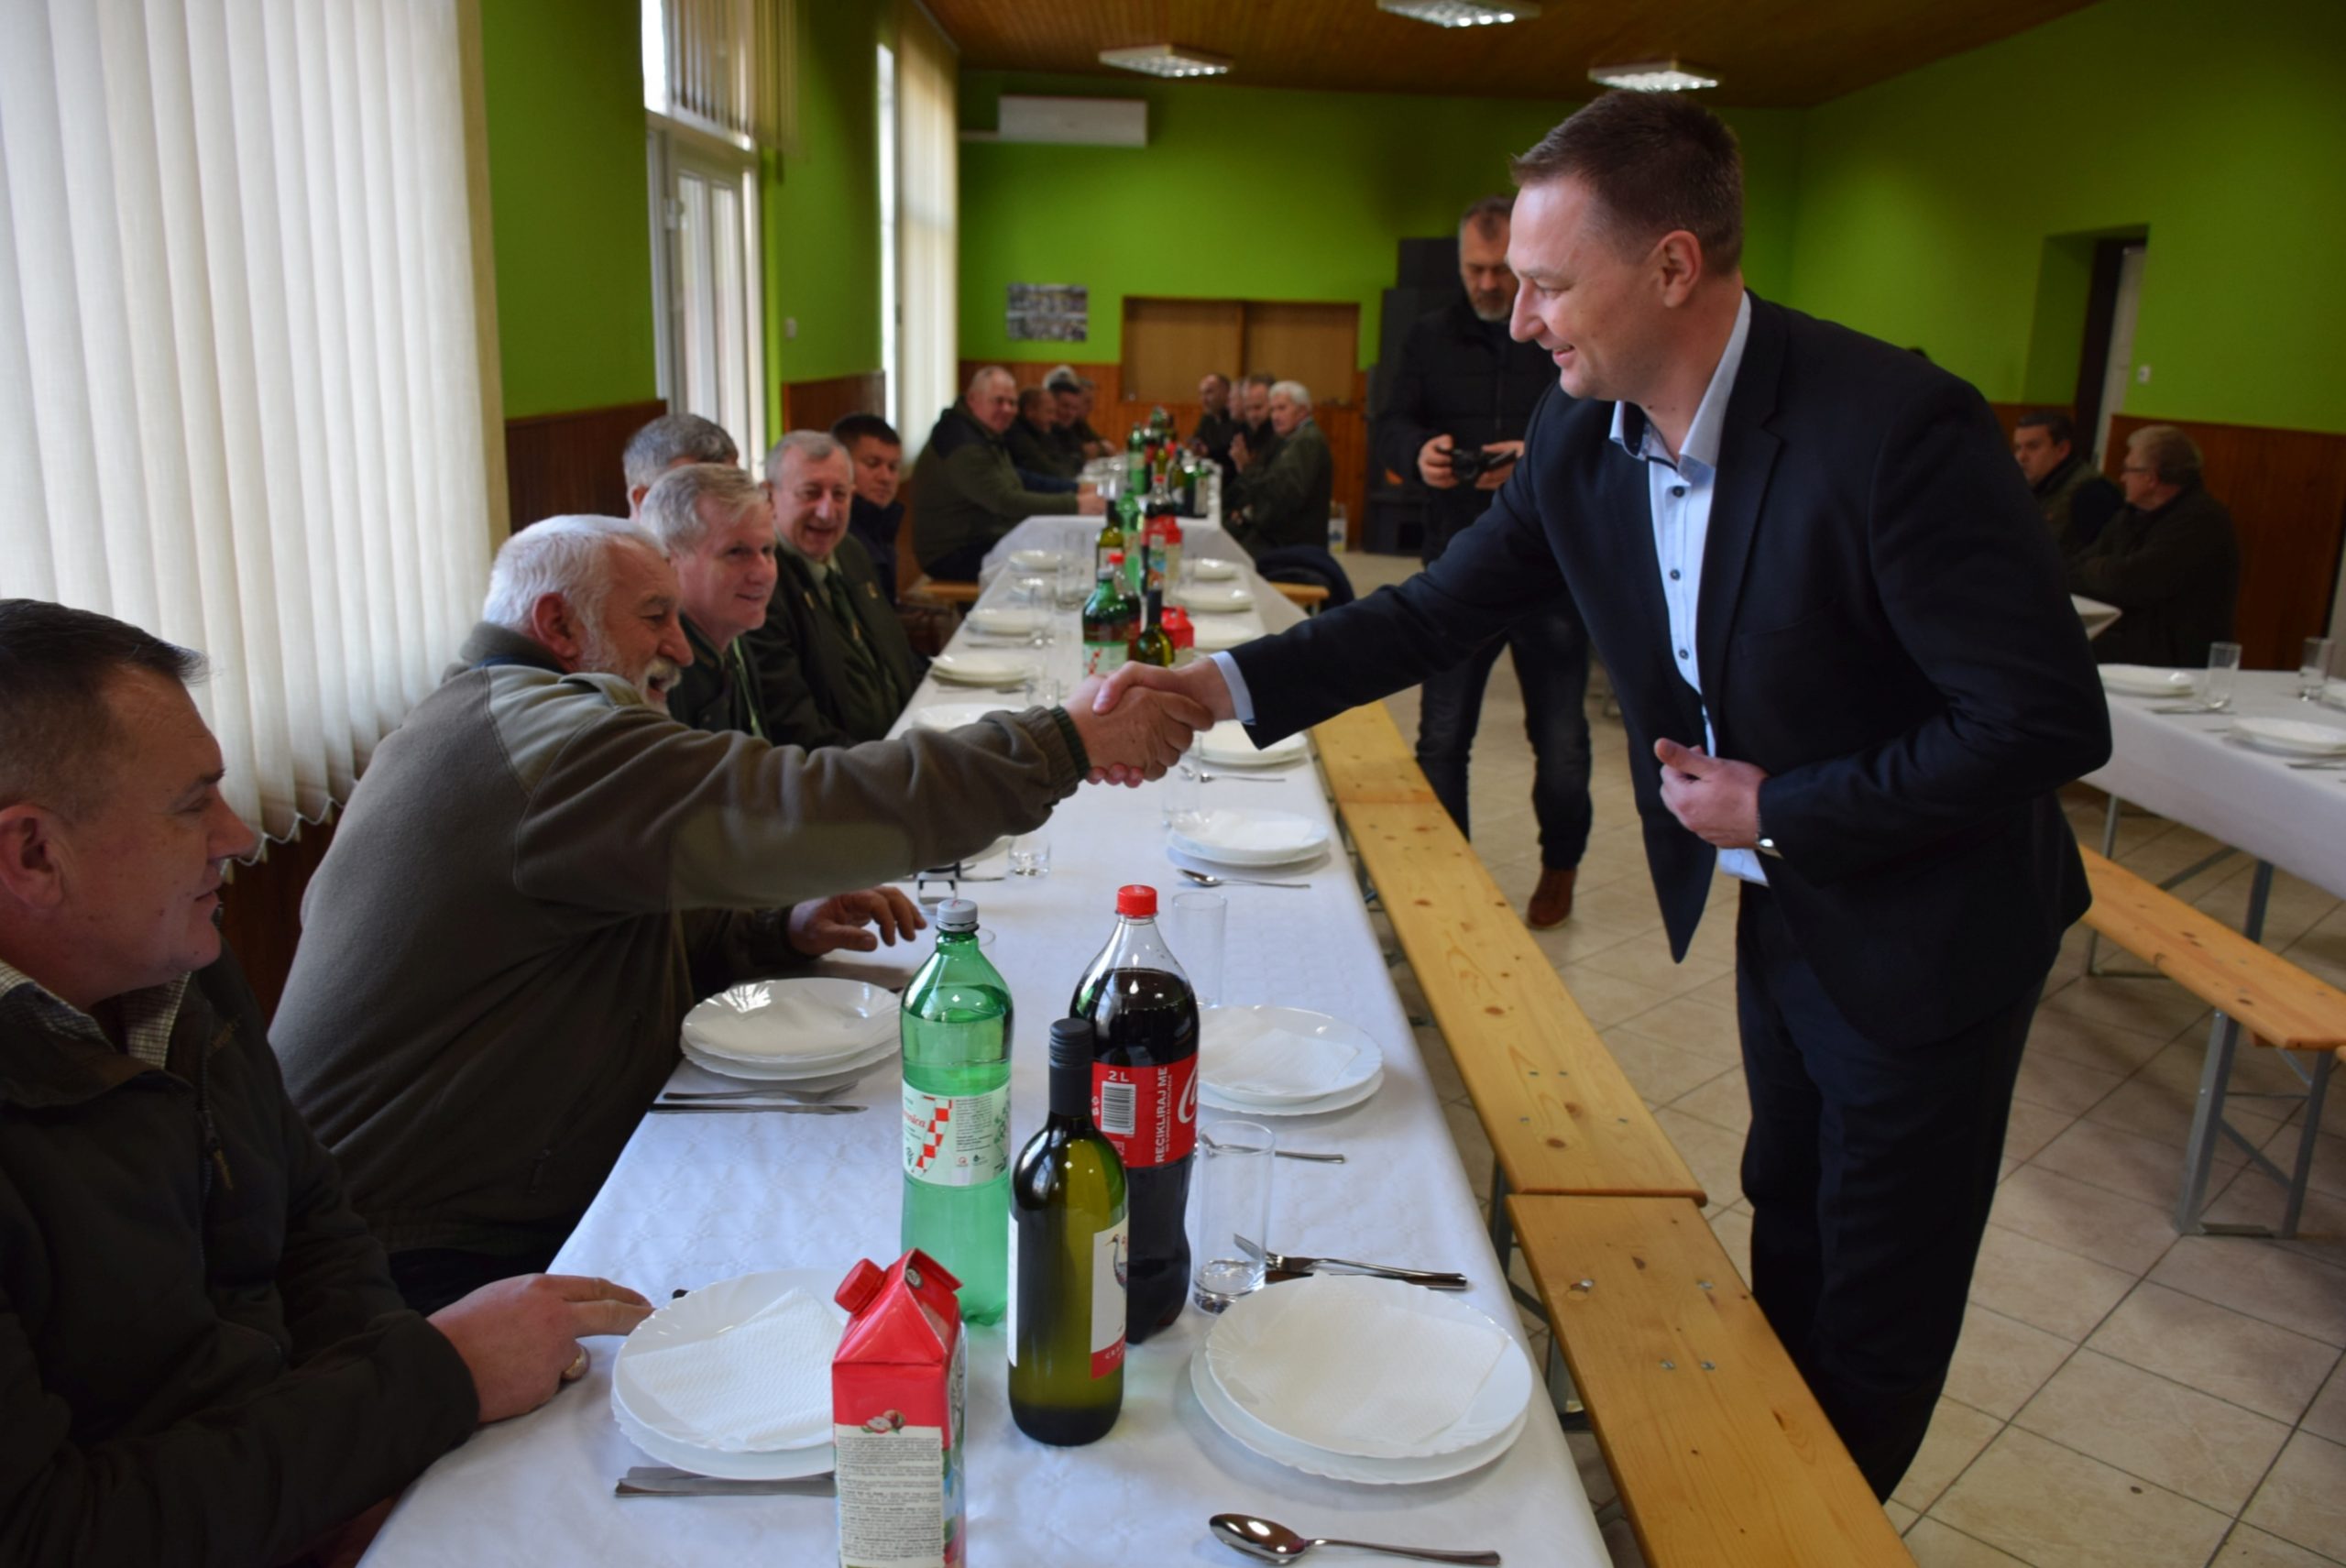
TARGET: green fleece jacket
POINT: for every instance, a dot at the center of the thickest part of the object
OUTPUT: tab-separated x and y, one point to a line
537	877
967	492
1285	497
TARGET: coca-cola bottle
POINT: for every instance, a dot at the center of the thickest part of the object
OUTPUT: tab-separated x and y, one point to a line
1145	1099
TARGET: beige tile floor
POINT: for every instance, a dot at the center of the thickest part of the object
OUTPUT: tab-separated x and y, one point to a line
2122	1394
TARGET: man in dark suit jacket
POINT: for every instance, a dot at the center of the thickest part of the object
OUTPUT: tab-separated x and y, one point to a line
832	663
1835	625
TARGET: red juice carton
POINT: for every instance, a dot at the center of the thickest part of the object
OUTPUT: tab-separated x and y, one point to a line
899	1385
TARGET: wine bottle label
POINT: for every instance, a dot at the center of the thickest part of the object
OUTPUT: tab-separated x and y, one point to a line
1101	658
956	1140
1148	1113
1111	1253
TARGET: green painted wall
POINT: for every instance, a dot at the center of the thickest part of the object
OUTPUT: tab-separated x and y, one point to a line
563	81
1262	194
1926	203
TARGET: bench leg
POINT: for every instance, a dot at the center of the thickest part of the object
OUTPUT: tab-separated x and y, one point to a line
2260	892
2108	848
2309	1134
2206	1116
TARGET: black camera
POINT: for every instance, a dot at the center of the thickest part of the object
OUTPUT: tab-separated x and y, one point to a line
1471	463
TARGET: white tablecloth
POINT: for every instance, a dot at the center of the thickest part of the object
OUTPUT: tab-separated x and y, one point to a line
697	1199
2184	767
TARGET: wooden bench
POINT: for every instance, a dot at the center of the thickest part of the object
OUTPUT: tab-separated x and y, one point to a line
1561	1115
2249	987
1721	1455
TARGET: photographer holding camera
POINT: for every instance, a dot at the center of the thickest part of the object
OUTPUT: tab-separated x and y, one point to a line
1462	392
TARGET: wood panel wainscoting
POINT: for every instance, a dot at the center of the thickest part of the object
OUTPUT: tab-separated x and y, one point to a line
820	404
1344	423
260	911
559	463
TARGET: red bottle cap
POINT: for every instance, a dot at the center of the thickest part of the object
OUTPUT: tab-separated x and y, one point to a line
1136	902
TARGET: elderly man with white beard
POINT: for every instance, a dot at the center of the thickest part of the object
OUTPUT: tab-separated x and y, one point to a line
541	872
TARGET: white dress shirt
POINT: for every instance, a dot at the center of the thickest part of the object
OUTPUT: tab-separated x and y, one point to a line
1681	494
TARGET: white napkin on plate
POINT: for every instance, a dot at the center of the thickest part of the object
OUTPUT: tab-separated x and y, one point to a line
1245	1055
1345	1363
763	1384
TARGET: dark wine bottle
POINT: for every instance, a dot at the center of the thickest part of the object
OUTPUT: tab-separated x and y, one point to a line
1068	1254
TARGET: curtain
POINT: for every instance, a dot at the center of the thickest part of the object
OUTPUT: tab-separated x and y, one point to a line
240	396
725	65
928	145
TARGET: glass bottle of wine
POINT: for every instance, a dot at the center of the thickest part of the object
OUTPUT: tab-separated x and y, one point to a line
1152	644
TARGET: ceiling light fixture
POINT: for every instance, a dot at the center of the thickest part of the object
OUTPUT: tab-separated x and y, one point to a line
1654	76
1459	12
1167	59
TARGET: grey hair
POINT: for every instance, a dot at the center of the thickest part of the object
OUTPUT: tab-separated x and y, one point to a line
1294	392
2173	456
671	439
672	507
812	446
565	556
987	373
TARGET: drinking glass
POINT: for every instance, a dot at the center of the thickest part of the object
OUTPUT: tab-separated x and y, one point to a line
2223	664
1181	793
1040	690
1234	1162
1194	927
2313	669
1030	854
1039	594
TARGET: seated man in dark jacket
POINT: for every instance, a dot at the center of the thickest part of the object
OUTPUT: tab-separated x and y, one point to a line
833	664
202	1355
1285	499
2075	496
2170	561
877	454
717	524
966	491
1029	438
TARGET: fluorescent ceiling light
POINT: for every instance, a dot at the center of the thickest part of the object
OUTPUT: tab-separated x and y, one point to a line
1167	59
1654	76
1460	13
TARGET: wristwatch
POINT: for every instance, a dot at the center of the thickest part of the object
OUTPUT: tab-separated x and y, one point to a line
1766	845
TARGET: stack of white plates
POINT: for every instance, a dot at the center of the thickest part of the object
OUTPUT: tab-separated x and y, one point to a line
1227	745
789	1030
1367	1380
2149	680
1250	838
1284	1061
1220	634
2291	737
952	715
1218	598
980	667
735	1378
1004	619
1035	560
1213	569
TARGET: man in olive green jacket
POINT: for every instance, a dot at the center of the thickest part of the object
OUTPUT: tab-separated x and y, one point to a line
716	525
966	491
1285	499
541	872
832	663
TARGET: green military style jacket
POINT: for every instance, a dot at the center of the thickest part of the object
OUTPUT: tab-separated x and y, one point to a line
966	493
1286	499
1032	448
718	691
821	682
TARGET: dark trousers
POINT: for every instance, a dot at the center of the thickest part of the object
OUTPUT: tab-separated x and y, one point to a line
1551	661
431	1278
1870	1172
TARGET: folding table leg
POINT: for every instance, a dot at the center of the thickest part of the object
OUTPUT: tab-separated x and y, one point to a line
2308	1135
2109	851
2206	1116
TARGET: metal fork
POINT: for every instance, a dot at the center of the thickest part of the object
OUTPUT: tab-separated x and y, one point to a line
1431	1279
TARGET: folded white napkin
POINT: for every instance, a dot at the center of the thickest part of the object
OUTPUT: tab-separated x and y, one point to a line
1346	1364
1248	1055
763	1384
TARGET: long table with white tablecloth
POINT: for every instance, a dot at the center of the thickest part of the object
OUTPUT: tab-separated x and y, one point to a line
697	1199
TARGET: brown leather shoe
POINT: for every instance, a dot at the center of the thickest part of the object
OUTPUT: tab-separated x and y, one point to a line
1551	901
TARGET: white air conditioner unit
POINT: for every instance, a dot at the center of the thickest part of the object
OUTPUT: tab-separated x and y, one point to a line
1083	122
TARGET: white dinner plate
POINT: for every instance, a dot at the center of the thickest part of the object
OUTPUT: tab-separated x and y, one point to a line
1227	745
1251	1434
2149	680
952	715
2291	737
1035	560
980	667
798	1022
1345	1057
708	1314
1344	1099
1219	599
1285	870
2097	616
1250	837
811	1074
1220	634
1214	569
1004	619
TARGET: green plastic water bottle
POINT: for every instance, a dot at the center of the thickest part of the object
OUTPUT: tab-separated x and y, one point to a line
955	1027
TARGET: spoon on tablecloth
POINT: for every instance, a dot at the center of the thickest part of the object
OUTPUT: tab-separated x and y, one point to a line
1276	1543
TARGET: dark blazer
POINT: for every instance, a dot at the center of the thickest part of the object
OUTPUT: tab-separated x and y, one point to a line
1882	628
800	656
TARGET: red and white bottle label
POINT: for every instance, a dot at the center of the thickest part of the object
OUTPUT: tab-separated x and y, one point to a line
1148	1113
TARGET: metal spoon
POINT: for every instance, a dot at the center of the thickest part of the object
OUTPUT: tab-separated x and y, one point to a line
1276	1543
1204	881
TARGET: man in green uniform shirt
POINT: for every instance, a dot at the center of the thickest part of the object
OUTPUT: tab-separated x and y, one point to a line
717	524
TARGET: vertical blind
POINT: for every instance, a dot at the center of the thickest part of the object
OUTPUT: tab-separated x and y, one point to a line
240	395
928	146
726	64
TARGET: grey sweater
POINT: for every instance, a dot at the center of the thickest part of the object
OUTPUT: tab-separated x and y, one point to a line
535	880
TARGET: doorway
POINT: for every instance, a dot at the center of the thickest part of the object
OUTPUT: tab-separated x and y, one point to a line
2106	361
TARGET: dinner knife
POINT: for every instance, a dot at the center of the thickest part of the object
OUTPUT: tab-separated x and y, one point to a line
658	1481
698	1108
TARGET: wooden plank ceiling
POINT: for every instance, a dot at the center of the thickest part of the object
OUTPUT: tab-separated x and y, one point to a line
1778	53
